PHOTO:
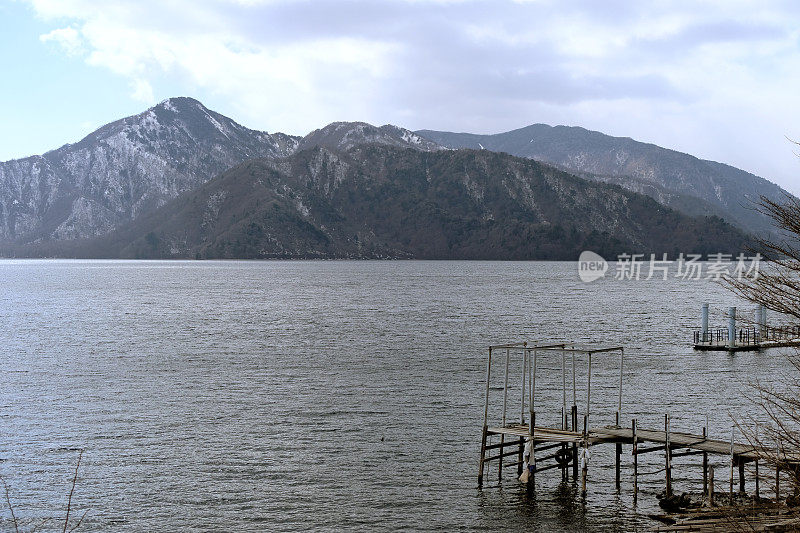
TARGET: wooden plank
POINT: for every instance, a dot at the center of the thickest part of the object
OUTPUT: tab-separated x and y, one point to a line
742	452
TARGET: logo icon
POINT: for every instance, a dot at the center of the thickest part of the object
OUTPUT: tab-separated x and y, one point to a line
591	266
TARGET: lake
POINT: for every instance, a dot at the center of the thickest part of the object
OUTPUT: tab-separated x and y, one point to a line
345	395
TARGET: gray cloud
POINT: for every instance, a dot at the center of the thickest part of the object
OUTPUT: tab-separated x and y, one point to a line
679	74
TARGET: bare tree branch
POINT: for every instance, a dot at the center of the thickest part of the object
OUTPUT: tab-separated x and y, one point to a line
10	507
69	500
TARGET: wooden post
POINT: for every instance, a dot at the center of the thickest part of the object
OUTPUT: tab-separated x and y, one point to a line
485	421
758	495
532	460
731	487
563	406
483	455
619	453
585	444
741	476
533	412
574	445
777	483
635	460
711	485
668	456
705	466
777	472
522	406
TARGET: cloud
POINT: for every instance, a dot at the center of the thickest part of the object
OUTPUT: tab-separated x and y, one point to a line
69	39
142	91
674	73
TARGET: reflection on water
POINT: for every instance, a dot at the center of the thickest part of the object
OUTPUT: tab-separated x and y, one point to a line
292	395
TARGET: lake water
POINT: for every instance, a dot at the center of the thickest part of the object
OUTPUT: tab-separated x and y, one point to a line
345	395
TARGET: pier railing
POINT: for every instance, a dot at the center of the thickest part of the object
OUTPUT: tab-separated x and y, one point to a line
749	336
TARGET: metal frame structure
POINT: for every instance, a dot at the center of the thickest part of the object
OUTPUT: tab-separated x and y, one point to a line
530	356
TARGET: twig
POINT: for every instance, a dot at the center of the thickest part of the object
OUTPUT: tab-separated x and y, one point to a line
79	521
10	507
40	524
69	500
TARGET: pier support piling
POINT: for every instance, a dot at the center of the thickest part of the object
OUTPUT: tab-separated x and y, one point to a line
668	456
732	465
574	445
758	495
618	454
711	485
705	465
635	459
585	454
777	471
741	476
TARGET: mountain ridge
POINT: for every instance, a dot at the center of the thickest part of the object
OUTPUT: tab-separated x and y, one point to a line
383	201
138	164
124	169
729	191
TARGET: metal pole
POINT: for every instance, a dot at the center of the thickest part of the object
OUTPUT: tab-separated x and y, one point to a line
486	403
731	327
621	362
533	384
530	398
505	388
574	388
505	403
704	318
485	421
588	386
563	391
524	370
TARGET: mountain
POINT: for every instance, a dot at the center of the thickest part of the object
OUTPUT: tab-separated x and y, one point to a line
125	169
383	201
691	185
344	135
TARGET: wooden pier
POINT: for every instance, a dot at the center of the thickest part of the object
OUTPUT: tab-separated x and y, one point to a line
746	339
533	449
758	336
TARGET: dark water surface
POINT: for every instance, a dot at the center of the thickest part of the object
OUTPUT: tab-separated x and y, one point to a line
287	396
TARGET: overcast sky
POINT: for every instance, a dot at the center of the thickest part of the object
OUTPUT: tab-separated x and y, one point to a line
715	79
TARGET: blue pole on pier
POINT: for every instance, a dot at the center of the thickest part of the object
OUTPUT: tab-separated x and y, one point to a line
705	323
